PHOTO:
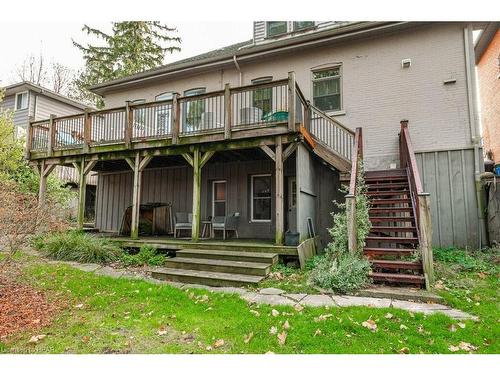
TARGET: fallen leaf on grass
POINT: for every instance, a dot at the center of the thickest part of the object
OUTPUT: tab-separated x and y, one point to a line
218	343
404	350
402	326
298	307
389	316
247	338
162	331
256	313
36	338
273	330
317	333
370	324
282	338
286	325
79	306
467	346
481	275
275	313
461	325
36	321
322	318
453	348
452	328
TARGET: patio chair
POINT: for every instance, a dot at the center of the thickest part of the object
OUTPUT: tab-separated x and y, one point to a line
226	223
183	221
250	115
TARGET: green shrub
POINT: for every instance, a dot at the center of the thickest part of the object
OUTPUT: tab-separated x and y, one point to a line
147	255
344	273
338	269
79	247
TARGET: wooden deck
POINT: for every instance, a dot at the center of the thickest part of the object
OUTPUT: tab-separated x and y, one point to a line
177	244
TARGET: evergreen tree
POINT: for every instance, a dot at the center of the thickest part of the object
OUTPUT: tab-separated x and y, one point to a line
131	47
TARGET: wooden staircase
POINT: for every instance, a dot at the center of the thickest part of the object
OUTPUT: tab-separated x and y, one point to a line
217	268
393	240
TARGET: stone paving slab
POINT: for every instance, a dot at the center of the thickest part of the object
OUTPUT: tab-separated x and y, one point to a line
271	291
295	296
317	300
87	267
345	301
110	271
267	299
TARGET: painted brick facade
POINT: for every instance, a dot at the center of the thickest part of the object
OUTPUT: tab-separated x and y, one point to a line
489	87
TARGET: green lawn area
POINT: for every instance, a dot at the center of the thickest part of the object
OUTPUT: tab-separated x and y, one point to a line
106	315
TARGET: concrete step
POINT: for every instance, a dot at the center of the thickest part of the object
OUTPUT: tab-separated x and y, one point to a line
241	256
217	265
205	277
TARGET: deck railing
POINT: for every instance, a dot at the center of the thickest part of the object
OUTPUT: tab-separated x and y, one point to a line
420	202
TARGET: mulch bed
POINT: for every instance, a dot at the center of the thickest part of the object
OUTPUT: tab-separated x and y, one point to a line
21	306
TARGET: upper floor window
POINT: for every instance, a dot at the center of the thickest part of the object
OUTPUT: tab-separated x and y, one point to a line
326	85
263	97
21	100
193	110
301	25
164	96
276	28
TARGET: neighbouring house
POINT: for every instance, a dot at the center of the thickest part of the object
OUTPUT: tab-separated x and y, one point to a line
28	101
255	139
488	67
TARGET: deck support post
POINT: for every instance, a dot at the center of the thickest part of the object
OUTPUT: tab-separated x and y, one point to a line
175	119
197	160
129	120
280	222
44	172
52	136
138	165
425	233
83	170
352	235
87	131
228	111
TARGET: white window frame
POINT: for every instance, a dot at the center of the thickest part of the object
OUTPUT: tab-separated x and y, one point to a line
213	196
303	28
277	35
166	113
290	28
340	111
252	198
27	100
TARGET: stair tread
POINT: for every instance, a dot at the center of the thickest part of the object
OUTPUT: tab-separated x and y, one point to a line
391	218
394	239
397	277
388	250
386	185
209	275
394	229
396	262
219	262
247	254
389	209
388	192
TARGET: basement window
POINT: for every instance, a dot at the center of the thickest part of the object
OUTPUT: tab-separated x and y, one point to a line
261	198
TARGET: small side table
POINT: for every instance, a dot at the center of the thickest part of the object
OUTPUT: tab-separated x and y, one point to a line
206	227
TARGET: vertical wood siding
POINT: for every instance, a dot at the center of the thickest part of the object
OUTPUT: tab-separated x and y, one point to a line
449	178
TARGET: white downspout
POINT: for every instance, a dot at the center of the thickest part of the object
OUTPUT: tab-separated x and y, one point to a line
474	125
239	70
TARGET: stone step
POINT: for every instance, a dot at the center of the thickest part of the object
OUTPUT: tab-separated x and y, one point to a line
205	277
217	265
241	256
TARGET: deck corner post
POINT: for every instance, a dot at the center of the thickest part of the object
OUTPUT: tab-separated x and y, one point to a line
228	111
291	101
87	130
175	119
195	233
129	119
29	138
52	135
280	223
425	233
136	198
352	235
82	183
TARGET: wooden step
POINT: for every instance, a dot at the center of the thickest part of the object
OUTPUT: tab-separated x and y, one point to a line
389	201
217	265
388	192
387	186
242	256
398	278
386	173
371	179
205	277
393	229
390	210
377	251
391	219
395	240
396	264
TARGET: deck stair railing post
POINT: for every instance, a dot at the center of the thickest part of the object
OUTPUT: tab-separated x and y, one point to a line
291	101
52	136
175	118
420	202
228	111
357	158
129	119
29	138
87	130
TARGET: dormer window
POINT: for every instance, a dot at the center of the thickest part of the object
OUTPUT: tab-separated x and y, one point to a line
302	25
275	28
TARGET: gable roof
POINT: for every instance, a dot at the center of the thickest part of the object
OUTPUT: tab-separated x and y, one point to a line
247	50
25	85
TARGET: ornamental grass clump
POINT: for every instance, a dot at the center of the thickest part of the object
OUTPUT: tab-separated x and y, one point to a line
79	247
338	269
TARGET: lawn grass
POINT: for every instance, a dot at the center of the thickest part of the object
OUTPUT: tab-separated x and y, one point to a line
106	315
